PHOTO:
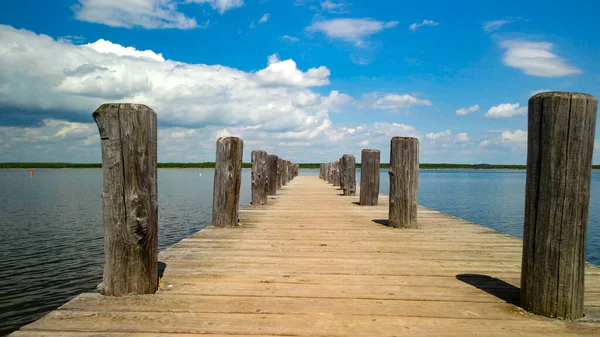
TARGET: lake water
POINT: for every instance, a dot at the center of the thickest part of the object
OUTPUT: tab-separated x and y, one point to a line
51	247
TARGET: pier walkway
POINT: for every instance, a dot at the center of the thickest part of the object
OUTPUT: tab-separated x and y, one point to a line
315	263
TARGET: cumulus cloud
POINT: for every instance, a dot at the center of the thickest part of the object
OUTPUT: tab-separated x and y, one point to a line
466	111
536	59
519	136
352	30
417	25
491	26
506	110
446	138
393	101
276	98
286	73
290	38
335	7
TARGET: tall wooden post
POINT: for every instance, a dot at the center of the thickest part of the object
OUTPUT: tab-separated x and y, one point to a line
228	177
279	173
260	179
404	182
286	167
336	173
321	171
129	198
369	177
559	165
348	174
272	174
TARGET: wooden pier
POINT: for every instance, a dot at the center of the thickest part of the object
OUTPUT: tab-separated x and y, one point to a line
314	263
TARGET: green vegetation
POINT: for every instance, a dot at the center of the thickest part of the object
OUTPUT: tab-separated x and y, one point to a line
249	165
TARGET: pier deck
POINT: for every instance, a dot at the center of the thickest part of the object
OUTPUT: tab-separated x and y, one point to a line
314	263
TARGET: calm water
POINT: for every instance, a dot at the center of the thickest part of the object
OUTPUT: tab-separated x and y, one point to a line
51	247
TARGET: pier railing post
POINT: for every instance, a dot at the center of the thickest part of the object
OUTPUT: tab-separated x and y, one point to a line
129	198
348	174
404	181
369	177
228	177
272	174
279	173
336	173
559	165
260	179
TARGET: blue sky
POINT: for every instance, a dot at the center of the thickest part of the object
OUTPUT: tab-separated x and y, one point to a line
305	79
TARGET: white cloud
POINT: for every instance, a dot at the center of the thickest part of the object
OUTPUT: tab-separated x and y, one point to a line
286	73
506	110
252	25
276	98
417	25
466	111
290	38
264	18
462	137
436	136
335	7
149	14
393	101
536	59
490	26
352	30
519	136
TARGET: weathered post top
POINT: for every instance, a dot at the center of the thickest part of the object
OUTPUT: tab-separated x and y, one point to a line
404	180
260	181
560	145
228	178
129	198
369	177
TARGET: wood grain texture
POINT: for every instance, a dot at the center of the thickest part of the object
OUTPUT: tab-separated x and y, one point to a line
404	182
129	198
260	178
286	173
228	179
335	176
272	174
559	164
312	263
348	174
369	177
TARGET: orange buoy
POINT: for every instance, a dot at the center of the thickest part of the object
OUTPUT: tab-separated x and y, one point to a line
31	173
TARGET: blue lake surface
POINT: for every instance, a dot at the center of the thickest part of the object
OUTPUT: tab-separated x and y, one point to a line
51	247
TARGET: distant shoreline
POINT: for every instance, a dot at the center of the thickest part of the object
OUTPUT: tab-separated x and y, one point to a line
211	165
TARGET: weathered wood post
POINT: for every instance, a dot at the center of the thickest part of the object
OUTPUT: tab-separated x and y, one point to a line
129	199
559	164
279	173
321	168
348	174
328	172
228	177
272	174
369	177
336	173
404	182
286	167
260	179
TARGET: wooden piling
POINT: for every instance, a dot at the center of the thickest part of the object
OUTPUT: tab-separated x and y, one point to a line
228	177
369	177
348	174
272	174
129	198
336	173
321	171
279	173
260	179
404	181
285	176
559	165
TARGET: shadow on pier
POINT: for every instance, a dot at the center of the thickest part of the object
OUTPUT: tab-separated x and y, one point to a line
493	286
